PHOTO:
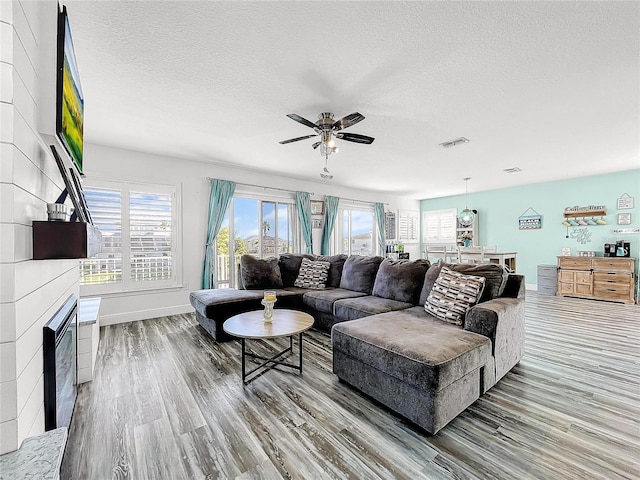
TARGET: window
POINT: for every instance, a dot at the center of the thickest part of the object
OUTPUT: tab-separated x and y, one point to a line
260	227
138	223
439	226
356	233
408	226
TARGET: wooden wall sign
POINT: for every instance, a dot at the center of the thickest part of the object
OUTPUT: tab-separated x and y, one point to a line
530	222
588	211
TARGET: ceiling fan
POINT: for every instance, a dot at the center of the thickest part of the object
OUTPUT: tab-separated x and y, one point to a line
327	128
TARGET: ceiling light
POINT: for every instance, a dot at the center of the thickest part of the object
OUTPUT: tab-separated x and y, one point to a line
512	170
466	216
454	142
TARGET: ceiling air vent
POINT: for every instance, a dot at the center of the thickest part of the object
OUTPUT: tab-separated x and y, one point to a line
454	142
512	170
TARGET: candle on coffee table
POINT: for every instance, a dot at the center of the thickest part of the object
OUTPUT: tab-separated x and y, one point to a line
270	296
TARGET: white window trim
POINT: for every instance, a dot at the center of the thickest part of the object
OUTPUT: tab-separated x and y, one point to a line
335	245
127	285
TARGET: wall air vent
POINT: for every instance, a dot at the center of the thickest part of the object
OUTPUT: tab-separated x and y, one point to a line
454	142
512	170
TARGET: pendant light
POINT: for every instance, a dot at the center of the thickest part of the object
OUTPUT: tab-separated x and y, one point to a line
466	216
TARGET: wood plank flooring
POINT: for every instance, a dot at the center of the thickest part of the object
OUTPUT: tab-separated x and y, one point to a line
167	402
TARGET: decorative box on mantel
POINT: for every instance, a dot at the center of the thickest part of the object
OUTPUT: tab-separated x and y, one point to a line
54	240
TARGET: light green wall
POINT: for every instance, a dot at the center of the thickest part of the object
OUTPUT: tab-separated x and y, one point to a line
498	212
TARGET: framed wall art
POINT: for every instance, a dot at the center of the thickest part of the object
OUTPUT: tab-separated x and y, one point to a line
624	219
317	207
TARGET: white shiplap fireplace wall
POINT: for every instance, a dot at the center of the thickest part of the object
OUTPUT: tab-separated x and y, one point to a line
30	290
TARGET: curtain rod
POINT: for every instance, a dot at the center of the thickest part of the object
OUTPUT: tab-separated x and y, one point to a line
293	191
262	186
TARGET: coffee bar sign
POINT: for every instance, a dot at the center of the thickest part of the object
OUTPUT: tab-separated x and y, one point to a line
588	211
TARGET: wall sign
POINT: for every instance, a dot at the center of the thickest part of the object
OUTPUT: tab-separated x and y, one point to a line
390	225
625	202
618	231
530	222
624	219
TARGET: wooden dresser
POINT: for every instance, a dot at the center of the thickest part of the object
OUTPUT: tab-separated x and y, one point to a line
599	278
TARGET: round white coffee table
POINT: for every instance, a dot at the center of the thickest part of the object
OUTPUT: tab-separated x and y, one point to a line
250	325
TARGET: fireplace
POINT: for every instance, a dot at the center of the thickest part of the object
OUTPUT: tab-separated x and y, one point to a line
59	346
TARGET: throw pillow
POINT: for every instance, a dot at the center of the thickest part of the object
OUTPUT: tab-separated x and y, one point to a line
453	294
400	280
335	270
312	274
359	273
258	273
290	266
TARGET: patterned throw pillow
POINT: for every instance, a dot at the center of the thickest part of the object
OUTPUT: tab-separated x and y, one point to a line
453	295
312	274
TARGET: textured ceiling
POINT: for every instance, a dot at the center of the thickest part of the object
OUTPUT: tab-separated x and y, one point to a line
550	87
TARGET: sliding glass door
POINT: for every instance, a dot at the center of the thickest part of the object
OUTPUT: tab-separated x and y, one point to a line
263	228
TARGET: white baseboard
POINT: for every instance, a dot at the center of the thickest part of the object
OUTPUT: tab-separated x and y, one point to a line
144	314
531	286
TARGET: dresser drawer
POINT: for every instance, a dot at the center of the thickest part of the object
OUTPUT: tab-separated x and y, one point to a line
575	263
547	282
617	278
547	270
613	264
612	291
546	290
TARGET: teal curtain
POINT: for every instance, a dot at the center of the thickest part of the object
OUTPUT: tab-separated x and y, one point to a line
382	240
330	214
219	200
303	205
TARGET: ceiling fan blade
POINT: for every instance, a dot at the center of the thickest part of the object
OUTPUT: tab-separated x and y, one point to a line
297	139
354	137
347	121
316	145
302	120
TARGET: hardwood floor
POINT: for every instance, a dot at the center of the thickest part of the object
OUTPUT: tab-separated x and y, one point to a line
167	402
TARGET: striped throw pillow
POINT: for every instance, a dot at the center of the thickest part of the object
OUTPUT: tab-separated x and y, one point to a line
453	294
313	274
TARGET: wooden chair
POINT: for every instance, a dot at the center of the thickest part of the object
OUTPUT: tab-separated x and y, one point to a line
471	255
434	253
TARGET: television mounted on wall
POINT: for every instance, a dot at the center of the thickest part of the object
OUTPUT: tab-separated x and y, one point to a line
69	96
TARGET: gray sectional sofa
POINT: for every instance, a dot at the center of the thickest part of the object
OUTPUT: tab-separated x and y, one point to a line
384	342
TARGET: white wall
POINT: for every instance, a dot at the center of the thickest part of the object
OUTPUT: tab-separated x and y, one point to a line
30	291
109	163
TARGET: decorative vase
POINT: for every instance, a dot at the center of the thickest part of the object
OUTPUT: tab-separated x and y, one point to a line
466	242
268	310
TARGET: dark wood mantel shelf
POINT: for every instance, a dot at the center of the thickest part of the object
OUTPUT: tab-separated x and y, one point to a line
55	240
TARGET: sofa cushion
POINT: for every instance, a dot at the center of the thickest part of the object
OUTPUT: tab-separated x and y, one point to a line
323	300
494	274
289	264
400	280
335	272
413	346
313	274
352	308
453	295
496	278
259	272
359	273
429	279
220	304
224	302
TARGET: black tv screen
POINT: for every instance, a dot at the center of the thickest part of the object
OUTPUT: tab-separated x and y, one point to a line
69	100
